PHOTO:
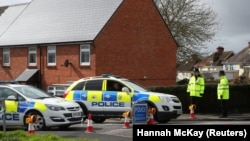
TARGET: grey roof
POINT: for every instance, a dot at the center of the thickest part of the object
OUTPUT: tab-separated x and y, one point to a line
53	21
9	15
26	75
241	57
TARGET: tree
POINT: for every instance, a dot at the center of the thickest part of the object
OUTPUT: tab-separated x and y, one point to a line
191	23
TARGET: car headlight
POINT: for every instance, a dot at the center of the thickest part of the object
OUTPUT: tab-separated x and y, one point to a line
55	107
165	99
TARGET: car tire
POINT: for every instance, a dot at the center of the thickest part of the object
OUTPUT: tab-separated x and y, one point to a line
40	122
98	119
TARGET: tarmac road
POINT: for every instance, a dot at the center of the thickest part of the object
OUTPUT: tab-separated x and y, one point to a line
107	131
113	129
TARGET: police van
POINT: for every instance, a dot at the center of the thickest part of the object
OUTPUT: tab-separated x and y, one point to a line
96	95
22	101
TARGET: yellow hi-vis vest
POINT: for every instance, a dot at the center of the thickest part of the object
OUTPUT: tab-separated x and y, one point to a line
223	88
196	87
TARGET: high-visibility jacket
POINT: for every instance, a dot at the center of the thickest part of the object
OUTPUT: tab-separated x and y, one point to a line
223	88
196	87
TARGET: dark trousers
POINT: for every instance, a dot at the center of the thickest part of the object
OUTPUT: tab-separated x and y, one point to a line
196	101
223	107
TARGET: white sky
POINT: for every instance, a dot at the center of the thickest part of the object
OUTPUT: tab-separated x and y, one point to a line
234	18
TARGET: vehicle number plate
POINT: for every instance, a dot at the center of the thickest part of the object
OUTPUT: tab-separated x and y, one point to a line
78	114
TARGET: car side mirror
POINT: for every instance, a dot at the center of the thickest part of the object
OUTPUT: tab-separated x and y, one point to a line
11	97
125	89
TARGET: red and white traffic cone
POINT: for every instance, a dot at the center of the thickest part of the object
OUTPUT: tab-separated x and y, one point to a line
126	122
126	119
89	125
31	128
31	120
151	119
151	113
191	108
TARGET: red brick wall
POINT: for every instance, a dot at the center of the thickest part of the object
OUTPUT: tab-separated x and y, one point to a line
136	43
18	63
62	74
49	74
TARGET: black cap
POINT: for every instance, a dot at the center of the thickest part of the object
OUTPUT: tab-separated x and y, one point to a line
221	72
196	70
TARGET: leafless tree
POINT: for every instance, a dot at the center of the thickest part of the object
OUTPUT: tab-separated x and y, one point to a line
192	24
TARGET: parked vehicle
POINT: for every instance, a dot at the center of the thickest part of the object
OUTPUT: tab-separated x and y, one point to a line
95	95
22	101
57	89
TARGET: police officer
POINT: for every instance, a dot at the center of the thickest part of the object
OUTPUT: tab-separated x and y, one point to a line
223	93
116	87
196	88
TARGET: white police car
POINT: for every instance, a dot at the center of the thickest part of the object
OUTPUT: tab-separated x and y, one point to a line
24	100
96	96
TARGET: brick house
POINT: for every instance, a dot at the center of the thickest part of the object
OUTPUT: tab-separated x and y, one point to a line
53	41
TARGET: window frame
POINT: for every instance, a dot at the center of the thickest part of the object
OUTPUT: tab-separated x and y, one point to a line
6	51
93	85
32	51
51	50
85	50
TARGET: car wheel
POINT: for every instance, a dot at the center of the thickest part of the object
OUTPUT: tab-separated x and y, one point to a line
98	119
40	122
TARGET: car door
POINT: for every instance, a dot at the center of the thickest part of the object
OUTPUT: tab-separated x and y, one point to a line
93	94
115	100
12	116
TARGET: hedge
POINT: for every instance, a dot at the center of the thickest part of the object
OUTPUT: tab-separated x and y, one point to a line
239	101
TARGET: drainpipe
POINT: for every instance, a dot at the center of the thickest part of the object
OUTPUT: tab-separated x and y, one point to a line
40	69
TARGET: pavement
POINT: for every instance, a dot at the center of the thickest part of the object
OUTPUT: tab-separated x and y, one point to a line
215	117
206	117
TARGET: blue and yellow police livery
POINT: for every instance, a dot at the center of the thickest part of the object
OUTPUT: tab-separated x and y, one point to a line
97	95
23	100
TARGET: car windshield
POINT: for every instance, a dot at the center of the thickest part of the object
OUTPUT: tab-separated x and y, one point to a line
32	92
135	86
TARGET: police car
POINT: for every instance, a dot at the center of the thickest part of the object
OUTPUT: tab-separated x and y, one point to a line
22	101
96	96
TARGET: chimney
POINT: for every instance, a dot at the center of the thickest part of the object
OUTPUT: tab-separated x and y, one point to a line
218	53
220	50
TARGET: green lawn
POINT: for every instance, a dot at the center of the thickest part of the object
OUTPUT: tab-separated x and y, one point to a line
20	135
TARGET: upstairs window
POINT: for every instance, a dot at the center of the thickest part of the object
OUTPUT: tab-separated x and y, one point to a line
85	55
32	56
51	55
6	57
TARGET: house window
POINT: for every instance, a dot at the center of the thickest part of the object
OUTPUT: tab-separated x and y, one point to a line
226	67
231	67
85	55
51	55
32	56
6	57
